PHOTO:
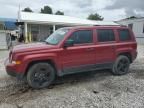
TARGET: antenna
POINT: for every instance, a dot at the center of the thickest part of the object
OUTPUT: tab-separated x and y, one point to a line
19	13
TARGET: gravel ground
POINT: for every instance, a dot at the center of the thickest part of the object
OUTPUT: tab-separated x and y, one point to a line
99	89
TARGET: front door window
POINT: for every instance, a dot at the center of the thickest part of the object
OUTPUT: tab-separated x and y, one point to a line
82	37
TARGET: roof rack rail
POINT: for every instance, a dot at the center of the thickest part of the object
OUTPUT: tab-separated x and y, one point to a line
112	25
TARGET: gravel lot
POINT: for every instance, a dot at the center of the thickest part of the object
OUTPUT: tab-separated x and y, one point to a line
99	89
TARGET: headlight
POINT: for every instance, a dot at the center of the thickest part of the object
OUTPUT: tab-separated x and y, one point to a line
12	59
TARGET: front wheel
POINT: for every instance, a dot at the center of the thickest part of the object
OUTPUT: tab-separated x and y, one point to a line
121	65
40	75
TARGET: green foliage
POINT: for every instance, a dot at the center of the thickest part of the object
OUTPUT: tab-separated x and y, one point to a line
46	10
95	16
59	13
27	9
131	17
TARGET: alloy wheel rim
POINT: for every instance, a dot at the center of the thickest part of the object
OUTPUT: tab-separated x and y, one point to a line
123	65
41	77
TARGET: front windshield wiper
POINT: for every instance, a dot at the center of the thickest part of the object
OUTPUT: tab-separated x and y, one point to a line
46	42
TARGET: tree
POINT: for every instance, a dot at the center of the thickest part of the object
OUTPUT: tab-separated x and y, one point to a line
95	16
46	10
27	9
131	17
59	13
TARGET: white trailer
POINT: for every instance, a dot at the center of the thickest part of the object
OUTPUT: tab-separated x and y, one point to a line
137	25
3	42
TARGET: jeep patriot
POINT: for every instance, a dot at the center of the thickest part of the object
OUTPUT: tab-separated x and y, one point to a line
71	50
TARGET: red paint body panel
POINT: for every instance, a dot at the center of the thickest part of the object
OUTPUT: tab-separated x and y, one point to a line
85	54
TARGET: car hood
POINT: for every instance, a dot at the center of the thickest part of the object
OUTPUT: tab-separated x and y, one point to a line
32	47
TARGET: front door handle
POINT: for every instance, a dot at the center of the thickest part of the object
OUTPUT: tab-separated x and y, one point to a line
90	49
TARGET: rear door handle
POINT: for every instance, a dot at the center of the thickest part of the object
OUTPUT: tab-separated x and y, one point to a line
90	49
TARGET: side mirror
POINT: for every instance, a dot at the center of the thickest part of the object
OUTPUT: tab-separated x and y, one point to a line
68	43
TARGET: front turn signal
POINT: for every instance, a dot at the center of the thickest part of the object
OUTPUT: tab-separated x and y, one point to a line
16	62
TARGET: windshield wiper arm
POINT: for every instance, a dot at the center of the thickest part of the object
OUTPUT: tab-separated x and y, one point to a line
46	42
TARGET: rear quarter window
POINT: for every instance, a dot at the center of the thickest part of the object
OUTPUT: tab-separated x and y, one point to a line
124	35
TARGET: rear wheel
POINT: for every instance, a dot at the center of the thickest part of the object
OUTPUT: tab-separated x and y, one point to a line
40	75
121	65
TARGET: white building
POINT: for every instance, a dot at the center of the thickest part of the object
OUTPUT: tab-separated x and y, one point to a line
37	26
137	25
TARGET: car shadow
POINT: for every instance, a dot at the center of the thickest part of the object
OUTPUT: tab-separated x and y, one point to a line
15	93
81	77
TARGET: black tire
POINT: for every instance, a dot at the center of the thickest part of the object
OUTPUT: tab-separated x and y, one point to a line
40	75
121	65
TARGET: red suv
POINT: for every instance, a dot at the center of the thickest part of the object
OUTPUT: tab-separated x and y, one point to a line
71	50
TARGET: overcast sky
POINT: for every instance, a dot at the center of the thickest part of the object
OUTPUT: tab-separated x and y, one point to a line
109	9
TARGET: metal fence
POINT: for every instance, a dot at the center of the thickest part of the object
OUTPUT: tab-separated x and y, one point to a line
140	40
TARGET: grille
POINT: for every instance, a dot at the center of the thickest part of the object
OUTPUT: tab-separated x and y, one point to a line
10	56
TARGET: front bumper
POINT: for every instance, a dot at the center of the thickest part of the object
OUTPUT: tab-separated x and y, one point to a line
11	70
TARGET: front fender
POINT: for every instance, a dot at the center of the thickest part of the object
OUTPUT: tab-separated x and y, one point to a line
37	57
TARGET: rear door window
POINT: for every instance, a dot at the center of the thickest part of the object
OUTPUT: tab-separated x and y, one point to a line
105	35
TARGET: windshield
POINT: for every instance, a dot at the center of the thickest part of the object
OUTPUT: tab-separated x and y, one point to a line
57	36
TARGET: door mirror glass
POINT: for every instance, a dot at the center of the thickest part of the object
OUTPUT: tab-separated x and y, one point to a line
69	43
